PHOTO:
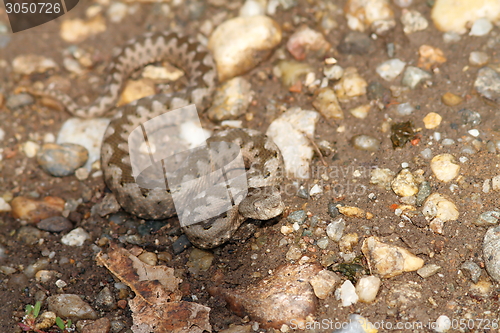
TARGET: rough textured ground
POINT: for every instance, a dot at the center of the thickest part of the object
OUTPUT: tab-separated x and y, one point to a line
446	293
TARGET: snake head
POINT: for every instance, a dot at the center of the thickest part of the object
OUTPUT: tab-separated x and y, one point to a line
262	203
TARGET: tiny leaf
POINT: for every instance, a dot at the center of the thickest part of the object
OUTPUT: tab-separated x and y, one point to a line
36	310
60	323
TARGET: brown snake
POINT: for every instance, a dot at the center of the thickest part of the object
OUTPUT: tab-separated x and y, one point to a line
263	160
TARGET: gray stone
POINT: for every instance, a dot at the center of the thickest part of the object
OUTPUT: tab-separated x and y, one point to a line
298	216
413	76
62	160
19	100
487	84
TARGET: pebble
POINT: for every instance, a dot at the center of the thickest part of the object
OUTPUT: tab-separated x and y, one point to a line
45	320
478	58
348	242
76	237
305	41
117	11
136	89
81	174
333	211
299	216
375	15
450	15
361	112
31	270
105	300
481	27
424	190
382	177
412	76
291	71
322	243
350	85
87	133
389	260
367	288
347	294
491	247
231	100
487	84
149	258
62	160
54	224
30	148
324	283
432	120
19	100
316	190
495	183
33	211
239	44
437	206
289	132
334	72
70	306
355	42
473	269
29	235
4	206
357	324
326	102
31	63
442	324
302	192
293	253
77	30
365	142
354	212
102	325
181	244
428	270
290	284
405	109
404	184
108	205
430	57
252	8
413	21
469	117
451	99
390	69
445	167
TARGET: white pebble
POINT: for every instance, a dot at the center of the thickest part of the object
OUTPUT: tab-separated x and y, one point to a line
61	284
405	109
367	288
49	138
474	132
481	27
4	206
443	324
347	294
82	173
30	148
117	12
316	189
252	8
463	159
437	136
426	153
75	237
390	69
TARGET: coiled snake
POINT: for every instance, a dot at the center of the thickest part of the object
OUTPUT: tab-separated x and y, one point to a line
263	160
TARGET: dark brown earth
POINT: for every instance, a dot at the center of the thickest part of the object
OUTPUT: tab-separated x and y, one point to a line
443	294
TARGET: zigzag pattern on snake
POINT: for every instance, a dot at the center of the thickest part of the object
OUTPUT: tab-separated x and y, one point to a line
262	157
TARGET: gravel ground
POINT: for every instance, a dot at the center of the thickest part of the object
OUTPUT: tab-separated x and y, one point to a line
465	126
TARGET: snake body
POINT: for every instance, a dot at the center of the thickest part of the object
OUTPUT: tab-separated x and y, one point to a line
263	160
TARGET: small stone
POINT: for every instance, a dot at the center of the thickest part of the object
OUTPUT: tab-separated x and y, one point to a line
102	325
45	320
481	27
474	270
231	100
60	284
430	57
108	205
334	72
389	260
390	69
442	324
432	120
335	229
405	109
239	44
451	99
34	211
413	76
303	193
81	174
491	253
413	21
361	112
445	167
70	306
323	283
19	100
470	117
322	243
4	206
376	91
481	289
487	84
350	85
55	224
299	216
452	15
30	148
367	288
149	258
76	237
428	270
136	89
478	58
32	63
325	101
438	207
306	40
252	8
382	177
424	190
404	184
29	235
348	242
365	142
315	190
77	30
353	212
355	42
290	72
62	160
348	294
495	183
45	276
375	15
117	11
199	261
105	300
293	253
451	37
181	244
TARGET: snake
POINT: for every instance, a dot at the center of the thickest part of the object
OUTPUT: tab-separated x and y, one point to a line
262	159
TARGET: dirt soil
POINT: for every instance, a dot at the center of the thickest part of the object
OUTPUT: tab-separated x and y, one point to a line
447	293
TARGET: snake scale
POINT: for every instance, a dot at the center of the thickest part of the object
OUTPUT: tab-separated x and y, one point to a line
262	158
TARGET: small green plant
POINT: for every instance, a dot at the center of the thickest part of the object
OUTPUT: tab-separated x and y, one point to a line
29	323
